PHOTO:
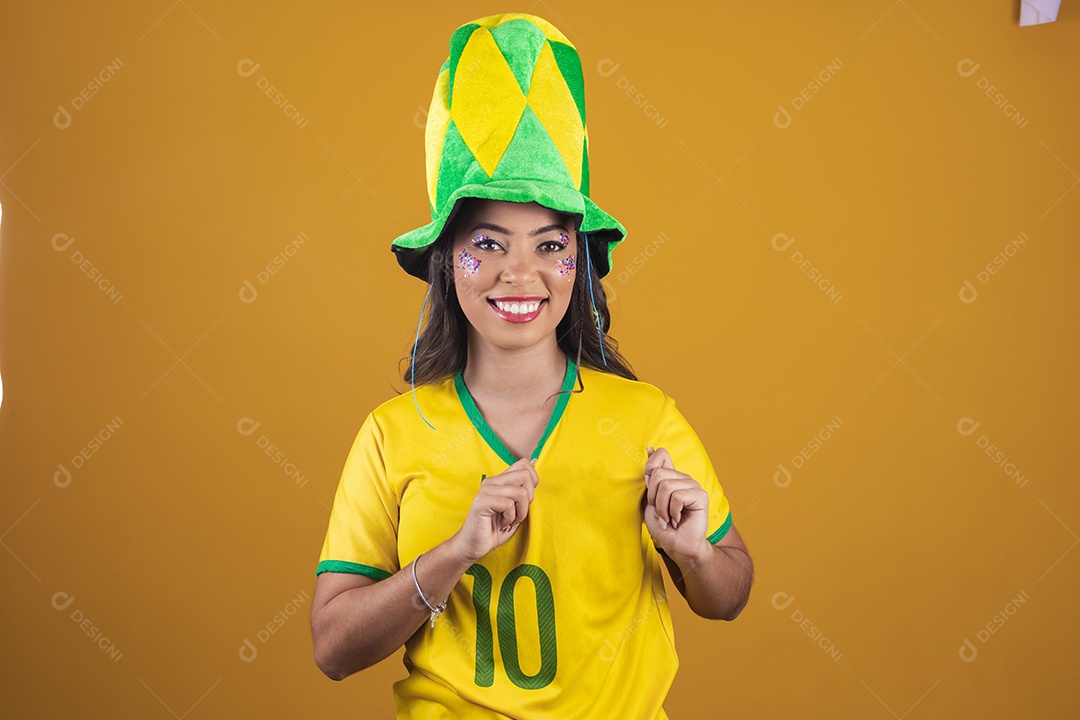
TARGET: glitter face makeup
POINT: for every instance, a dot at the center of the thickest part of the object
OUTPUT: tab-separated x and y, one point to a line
520	299
566	267
469	265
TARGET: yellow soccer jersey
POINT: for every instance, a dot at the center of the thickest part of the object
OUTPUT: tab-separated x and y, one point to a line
569	617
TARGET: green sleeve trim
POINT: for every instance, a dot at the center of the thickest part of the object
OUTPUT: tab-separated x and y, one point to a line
351	567
721	531
489	435
714	538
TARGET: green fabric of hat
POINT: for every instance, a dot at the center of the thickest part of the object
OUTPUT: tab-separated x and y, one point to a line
507	122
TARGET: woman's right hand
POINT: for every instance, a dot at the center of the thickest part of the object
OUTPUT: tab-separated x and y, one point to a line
501	504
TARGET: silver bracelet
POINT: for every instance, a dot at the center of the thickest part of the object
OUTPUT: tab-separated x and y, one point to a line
435	611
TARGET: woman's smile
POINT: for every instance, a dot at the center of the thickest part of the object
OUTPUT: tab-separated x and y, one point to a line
511	274
518	309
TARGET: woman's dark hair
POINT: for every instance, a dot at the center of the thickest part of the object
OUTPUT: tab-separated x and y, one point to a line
441	350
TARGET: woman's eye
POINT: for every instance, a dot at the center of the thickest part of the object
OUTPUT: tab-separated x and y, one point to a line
483	242
554	246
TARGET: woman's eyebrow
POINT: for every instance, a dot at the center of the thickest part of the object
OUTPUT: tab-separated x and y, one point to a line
504	231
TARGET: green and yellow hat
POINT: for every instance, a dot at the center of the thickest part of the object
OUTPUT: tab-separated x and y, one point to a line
507	122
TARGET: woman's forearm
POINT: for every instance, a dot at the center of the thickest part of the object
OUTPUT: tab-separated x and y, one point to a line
361	626
716	583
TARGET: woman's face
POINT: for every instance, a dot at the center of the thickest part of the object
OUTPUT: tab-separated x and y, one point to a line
514	270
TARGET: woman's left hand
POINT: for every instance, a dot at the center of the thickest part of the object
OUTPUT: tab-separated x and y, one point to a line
676	507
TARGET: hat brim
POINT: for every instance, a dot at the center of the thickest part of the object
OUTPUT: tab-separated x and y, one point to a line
411	248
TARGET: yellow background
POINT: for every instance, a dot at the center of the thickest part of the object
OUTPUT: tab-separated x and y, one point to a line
899	179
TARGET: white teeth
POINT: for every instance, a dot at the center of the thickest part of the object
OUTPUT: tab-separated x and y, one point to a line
518	308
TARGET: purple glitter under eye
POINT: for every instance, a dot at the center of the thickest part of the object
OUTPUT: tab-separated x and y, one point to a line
566	267
469	264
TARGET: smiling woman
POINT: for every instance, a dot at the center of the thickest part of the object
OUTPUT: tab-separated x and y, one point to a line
483	258
537	482
522	259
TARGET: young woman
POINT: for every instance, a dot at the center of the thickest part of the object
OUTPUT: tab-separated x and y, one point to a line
506	520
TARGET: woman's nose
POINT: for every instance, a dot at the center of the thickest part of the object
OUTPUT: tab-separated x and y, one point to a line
520	268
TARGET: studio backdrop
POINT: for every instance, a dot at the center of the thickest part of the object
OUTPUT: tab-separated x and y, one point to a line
851	259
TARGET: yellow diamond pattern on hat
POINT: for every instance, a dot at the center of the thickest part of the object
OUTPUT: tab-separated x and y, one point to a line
550	99
487	100
435	132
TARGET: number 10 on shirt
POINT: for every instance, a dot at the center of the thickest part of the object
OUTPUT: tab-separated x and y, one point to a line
506	624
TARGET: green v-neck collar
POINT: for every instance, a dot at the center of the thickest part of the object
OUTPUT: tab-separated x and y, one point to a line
489	435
